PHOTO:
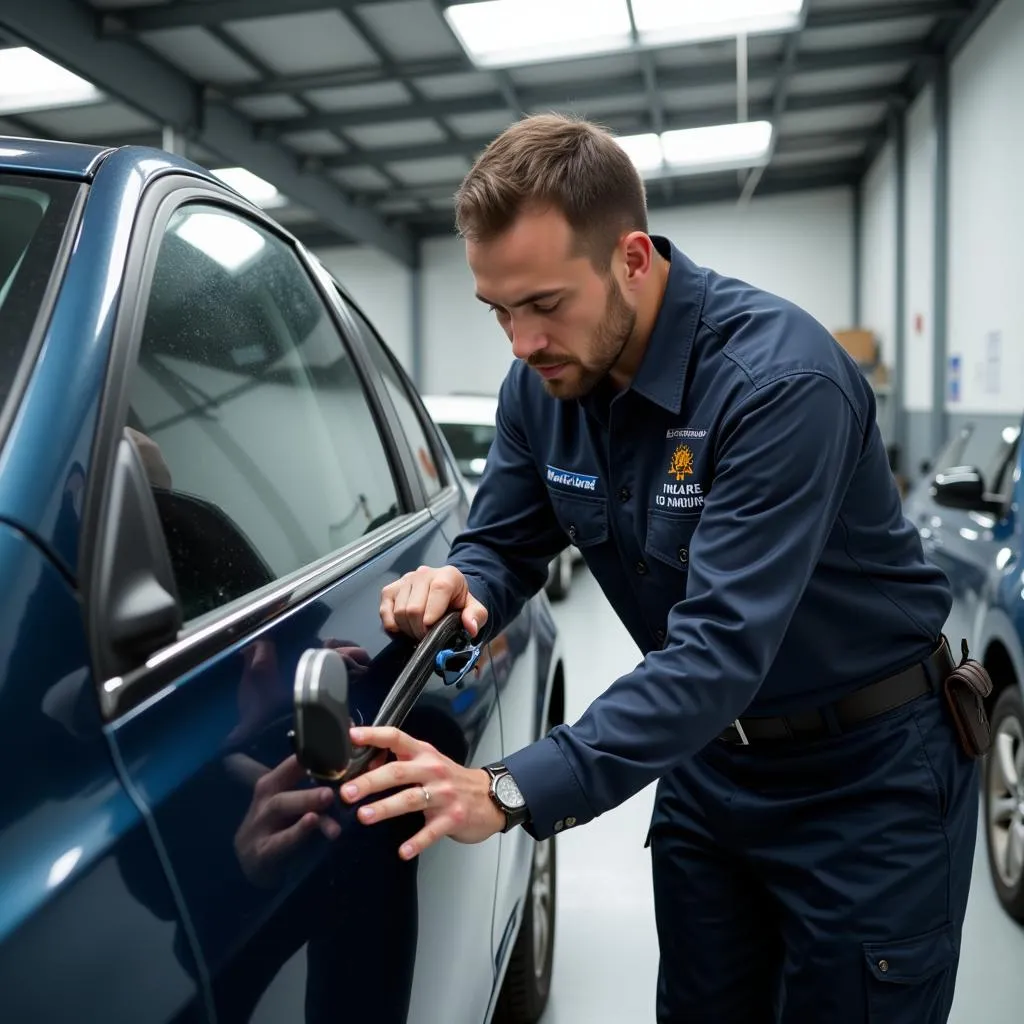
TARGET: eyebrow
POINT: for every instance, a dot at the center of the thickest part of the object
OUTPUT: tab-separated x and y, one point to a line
540	296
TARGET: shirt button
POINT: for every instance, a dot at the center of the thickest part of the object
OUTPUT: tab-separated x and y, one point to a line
559	825
684	555
625	494
569	822
641	568
572	531
883	965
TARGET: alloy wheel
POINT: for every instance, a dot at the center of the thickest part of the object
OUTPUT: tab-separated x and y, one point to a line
1006	800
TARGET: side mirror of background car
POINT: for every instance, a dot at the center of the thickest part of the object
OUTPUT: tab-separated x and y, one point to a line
962	487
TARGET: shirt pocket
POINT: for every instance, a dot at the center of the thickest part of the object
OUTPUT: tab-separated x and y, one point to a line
669	535
584	519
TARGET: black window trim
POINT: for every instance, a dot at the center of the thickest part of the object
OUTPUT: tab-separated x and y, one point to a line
203	637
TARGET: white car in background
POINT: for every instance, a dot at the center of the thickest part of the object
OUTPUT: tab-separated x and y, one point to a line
467	422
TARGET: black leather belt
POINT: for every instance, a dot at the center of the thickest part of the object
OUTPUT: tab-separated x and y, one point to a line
867	702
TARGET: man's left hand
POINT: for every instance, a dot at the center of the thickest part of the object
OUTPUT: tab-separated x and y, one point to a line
455	800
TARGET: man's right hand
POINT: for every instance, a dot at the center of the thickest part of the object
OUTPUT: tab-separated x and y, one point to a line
420	599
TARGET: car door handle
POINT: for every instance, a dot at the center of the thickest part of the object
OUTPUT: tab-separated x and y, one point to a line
322	720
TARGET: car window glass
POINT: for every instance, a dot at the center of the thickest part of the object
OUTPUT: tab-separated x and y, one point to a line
251	420
470	444
423	451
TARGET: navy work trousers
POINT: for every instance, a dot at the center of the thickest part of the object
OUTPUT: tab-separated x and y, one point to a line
817	881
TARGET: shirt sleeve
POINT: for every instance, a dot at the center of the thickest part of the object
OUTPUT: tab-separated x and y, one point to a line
784	461
512	532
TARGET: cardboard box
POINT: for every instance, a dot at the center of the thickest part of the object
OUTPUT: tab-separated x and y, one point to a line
861	344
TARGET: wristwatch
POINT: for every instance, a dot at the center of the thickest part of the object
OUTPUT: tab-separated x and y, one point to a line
506	795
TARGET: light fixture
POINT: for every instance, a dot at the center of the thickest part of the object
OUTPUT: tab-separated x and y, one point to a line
247	184
497	33
717	147
503	33
644	150
659	23
225	239
29	81
700	150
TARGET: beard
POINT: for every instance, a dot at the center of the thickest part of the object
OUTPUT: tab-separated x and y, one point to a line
610	339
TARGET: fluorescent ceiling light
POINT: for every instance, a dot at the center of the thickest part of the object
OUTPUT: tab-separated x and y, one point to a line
718	147
226	240
29	81
247	184
644	150
502	33
505	32
664	22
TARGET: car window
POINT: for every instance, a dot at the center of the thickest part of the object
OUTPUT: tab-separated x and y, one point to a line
470	444
999	478
247	409
33	215
424	452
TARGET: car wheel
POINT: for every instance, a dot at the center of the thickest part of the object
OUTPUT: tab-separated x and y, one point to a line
560	577
527	984
1004	802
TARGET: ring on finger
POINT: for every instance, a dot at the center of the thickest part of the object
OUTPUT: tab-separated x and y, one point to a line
426	795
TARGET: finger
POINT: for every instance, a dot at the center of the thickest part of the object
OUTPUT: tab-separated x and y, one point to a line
400	772
416	605
409	801
474	616
297	802
387	608
329	828
435	829
278	843
437	601
401	607
284	776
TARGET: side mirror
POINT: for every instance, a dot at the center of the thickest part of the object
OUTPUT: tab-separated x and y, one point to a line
962	487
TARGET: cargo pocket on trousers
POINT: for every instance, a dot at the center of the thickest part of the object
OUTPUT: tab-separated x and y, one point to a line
585	520
911	980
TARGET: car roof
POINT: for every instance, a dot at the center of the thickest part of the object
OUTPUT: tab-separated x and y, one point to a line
59	159
472	409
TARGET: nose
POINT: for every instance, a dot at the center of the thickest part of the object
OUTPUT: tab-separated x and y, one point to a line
526	340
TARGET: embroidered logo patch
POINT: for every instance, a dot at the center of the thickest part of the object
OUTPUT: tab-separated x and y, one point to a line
567	478
685	432
681	465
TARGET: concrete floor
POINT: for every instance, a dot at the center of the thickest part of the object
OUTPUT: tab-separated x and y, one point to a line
606	950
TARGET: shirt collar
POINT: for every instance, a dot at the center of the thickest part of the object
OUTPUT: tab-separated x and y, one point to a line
662	372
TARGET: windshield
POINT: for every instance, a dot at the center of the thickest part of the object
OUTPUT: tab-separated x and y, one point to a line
470	443
33	215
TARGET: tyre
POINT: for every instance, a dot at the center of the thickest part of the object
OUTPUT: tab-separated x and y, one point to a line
559	577
527	984
1004	802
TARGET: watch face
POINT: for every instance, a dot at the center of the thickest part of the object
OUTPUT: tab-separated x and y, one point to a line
507	792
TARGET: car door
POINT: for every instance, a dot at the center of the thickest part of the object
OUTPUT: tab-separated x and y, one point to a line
515	652
278	500
967	543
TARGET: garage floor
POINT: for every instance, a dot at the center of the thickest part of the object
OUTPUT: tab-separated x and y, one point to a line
606	951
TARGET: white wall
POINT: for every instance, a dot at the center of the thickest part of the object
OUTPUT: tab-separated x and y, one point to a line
919	348
798	246
382	288
986	215
878	253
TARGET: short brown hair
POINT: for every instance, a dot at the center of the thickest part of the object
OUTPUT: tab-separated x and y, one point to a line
559	161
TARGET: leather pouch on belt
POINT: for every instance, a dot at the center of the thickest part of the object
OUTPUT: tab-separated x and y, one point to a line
966	688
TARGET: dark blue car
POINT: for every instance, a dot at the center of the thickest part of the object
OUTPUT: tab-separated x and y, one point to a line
968	509
210	464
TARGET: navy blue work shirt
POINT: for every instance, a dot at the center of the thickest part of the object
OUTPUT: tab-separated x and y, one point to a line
737	508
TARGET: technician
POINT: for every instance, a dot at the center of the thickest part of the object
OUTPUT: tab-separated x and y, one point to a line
714	454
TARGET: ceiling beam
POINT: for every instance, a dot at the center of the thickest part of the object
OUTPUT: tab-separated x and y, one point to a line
470	148
717	73
565	94
65	31
861	14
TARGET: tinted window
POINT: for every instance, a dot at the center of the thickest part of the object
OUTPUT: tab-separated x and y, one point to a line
33	215
255	429
424	453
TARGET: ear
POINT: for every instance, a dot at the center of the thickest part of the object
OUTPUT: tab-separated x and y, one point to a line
638	257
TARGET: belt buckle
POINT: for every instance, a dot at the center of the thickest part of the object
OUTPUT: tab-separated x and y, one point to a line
739	732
